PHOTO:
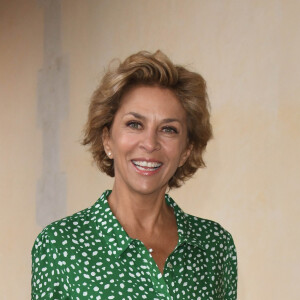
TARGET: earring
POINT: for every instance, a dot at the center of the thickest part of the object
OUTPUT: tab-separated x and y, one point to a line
109	154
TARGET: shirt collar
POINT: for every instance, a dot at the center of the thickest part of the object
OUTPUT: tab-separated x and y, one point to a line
109	227
116	237
186	232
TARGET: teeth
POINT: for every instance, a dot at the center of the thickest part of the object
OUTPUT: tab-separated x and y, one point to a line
147	164
146	169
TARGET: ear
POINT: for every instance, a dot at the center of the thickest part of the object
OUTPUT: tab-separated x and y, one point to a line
185	155
106	142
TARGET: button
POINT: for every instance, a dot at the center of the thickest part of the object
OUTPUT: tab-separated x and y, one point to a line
169	265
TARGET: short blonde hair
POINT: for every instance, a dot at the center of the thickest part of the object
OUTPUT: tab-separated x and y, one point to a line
150	69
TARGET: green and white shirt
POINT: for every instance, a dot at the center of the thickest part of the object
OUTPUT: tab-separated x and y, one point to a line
90	256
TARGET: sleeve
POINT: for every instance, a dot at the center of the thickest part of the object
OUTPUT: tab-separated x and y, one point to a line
45	283
230	270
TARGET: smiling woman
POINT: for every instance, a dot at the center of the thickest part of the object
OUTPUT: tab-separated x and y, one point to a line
148	126
148	137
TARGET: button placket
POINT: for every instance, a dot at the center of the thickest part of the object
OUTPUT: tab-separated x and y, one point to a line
159	284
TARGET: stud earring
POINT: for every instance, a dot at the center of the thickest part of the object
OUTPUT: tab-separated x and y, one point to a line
109	154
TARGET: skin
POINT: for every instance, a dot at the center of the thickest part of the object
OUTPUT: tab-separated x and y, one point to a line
150	125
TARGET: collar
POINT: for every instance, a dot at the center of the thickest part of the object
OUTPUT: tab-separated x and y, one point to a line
109	227
118	240
186	230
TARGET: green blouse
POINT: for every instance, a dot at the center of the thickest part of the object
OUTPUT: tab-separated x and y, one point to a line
90	256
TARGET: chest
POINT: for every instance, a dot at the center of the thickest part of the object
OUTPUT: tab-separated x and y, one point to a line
136	275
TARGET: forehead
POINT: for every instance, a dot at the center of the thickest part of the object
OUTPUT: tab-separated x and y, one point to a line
152	100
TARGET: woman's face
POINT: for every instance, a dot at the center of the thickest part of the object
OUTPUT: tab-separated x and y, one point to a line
148	139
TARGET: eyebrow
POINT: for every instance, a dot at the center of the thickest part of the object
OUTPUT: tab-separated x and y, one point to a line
141	117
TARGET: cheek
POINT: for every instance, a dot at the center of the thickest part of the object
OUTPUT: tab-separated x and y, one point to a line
174	151
123	143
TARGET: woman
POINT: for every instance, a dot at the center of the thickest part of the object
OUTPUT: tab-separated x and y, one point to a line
148	126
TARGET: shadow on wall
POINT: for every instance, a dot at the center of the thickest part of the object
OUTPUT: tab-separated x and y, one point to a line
52	108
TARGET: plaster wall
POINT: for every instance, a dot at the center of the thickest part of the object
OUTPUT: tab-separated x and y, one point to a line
52	55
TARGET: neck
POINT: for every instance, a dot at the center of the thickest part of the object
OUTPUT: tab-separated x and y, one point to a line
139	213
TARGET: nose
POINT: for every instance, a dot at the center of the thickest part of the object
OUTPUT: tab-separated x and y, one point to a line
150	141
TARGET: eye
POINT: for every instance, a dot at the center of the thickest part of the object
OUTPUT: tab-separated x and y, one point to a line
169	129
134	125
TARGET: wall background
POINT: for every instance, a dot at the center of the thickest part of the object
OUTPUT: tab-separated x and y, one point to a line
52	54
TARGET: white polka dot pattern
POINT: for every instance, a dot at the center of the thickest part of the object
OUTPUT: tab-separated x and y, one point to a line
90	256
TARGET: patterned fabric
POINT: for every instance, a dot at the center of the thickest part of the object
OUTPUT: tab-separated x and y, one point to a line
90	256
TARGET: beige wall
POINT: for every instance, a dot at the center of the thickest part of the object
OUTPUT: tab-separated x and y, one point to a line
247	50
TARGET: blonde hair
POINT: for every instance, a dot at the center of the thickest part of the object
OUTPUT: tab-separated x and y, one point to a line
150	69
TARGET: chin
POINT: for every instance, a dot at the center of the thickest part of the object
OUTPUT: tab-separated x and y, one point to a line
147	189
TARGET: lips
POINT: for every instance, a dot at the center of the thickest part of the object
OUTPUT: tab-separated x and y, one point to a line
146	167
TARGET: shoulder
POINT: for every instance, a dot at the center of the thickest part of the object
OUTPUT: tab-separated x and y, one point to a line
218	247
209	234
202	226
206	234
63	231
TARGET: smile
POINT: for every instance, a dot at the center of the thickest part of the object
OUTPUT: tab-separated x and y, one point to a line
146	166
